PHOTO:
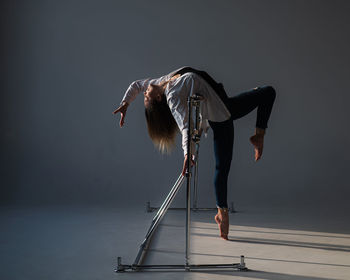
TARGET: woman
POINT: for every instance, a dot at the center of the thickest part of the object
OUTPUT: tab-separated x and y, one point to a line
166	112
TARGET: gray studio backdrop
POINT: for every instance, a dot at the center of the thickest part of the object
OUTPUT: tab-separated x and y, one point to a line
66	65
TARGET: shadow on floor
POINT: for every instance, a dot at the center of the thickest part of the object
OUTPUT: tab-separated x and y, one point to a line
256	274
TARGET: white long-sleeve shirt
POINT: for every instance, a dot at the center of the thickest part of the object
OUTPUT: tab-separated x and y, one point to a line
177	91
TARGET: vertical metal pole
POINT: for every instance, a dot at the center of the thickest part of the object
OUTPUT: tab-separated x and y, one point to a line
195	183
196	128
196	136
188	221
188	190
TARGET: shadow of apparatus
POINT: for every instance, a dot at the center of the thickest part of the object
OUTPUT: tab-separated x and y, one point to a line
321	246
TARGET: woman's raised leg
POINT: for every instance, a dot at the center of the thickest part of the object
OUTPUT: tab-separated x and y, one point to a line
243	103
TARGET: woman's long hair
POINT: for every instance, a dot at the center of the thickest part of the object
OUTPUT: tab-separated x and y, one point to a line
161	125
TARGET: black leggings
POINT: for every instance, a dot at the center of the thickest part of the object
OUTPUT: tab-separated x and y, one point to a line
239	106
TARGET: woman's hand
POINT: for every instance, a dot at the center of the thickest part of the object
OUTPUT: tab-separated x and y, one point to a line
122	109
185	165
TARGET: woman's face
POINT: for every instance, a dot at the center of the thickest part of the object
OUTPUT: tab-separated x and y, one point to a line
150	94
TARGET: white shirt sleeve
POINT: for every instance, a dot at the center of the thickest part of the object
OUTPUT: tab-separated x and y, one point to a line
141	86
177	102
134	89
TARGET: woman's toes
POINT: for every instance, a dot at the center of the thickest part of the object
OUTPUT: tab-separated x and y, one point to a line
258	142
224	236
218	220
223	225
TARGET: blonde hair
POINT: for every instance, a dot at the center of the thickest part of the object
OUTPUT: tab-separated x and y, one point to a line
161	125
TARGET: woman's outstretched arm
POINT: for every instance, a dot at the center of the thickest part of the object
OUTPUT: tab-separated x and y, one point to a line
134	89
131	93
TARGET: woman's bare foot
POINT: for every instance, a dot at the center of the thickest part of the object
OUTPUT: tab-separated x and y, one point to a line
258	141
222	219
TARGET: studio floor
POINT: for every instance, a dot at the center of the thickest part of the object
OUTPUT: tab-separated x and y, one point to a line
64	242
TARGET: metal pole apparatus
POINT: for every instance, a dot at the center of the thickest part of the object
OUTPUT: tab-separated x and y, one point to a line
193	135
196	139
190	132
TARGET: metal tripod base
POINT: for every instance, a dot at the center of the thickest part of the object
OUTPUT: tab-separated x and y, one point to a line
150	209
190	267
